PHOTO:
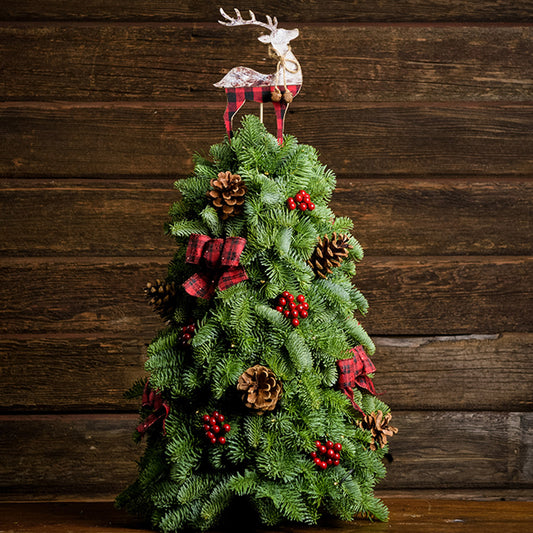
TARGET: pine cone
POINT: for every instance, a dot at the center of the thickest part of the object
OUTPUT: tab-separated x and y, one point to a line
379	427
162	297
227	194
261	388
329	253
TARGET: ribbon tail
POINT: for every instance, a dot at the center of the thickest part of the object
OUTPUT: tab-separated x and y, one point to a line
349	393
364	382
231	277
200	285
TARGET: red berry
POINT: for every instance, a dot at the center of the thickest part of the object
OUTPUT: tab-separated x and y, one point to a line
300	307
207	427
186	337
184	329
213	440
323	465
215	413
299	197
206	419
287	313
279	308
213	421
336	462
290	297
302	192
304	313
323	449
216	429
222	440
300	298
292	206
210	435
294	313
337	447
307	197
221	418
282	302
337	456
306	306
286	294
295	322
302	206
331	452
311	206
226	427
318	461
329	461
313	455
292	305
318	443
329	444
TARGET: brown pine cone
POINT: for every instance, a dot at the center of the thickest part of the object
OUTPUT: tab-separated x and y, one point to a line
329	253
261	388
379	428
227	194
162	297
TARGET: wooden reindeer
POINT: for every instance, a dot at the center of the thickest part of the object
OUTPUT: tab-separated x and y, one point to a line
242	83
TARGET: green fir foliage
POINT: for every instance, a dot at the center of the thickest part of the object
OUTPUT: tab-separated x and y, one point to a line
185	481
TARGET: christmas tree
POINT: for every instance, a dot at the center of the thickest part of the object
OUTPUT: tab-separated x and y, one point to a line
259	391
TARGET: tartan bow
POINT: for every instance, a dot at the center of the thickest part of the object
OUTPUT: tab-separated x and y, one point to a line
220	260
354	372
152	399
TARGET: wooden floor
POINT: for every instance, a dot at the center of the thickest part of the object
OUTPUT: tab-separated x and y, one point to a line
408	515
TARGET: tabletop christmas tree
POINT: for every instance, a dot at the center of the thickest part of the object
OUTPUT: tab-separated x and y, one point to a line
259	402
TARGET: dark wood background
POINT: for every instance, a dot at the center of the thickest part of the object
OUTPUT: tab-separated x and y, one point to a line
425	112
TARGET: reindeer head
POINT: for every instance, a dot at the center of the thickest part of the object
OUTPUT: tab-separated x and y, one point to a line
278	38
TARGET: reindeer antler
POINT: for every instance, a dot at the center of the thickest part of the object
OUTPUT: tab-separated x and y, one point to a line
239	21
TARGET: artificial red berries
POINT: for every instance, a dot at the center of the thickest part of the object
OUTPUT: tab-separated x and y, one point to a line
214	427
327	454
291	309
301	200
187	333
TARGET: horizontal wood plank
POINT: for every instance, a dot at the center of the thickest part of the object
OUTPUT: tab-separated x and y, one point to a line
300	10
339	63
66	455
408	296
409	513
485	372
84	140
435	216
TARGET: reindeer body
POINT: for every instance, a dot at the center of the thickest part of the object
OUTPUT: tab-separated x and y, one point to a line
245	84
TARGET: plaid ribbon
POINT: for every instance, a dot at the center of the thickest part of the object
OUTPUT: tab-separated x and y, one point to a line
237	96
220	260
354	372
152	399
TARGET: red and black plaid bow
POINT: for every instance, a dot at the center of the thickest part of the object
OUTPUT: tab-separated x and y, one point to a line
152	399
220	259
354	371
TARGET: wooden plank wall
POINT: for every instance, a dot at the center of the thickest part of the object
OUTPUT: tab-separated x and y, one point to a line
425	112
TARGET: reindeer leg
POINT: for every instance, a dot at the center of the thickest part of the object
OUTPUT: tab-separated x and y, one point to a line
236	100
280	108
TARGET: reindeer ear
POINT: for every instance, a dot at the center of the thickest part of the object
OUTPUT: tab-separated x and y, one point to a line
265	38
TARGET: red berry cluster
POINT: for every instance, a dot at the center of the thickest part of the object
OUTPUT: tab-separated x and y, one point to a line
215	429
301	200
327	455
187	333
292	309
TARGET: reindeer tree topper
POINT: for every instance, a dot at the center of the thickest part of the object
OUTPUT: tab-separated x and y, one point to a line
242	83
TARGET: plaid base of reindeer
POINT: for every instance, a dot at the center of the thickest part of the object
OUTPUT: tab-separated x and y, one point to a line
237	96
242	83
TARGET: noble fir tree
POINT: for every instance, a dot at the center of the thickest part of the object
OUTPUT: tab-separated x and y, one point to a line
259	394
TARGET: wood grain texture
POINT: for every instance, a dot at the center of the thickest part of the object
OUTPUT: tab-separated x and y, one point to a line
99	217
340	63
408	296
66	455
408	514
344	11
141	140
483	372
